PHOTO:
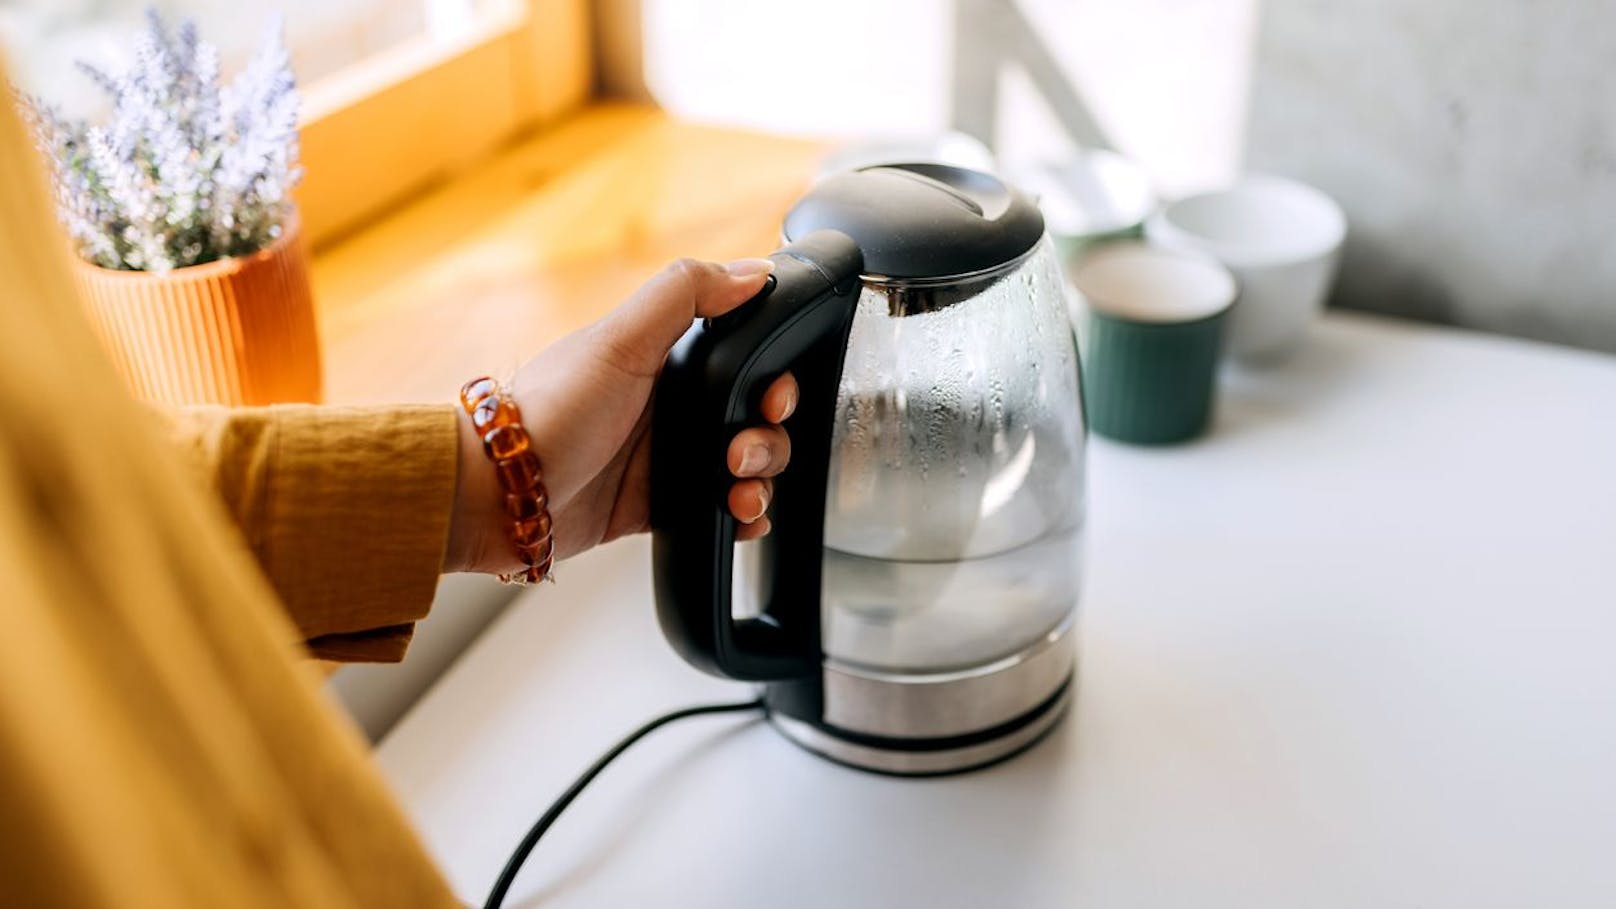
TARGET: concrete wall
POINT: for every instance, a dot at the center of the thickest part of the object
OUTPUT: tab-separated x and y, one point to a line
1473	144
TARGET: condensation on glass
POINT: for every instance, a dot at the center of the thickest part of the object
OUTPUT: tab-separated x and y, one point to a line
954	505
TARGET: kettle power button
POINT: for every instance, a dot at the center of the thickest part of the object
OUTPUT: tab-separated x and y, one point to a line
740	312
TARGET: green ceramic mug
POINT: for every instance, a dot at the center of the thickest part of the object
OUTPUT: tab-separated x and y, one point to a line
1151	330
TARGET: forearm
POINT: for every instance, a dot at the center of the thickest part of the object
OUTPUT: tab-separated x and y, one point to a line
347	510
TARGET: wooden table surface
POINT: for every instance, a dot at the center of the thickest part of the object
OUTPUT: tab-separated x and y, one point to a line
484	271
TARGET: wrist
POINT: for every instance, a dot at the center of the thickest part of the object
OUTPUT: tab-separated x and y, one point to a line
478	526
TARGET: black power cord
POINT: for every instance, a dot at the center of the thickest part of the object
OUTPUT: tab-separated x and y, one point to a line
496	896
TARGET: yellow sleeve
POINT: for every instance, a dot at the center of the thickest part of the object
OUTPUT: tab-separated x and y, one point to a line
345	508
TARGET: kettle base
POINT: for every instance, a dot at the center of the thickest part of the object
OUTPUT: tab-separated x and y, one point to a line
898	757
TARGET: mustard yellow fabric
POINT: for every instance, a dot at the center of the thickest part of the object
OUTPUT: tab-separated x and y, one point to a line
164	741
346	509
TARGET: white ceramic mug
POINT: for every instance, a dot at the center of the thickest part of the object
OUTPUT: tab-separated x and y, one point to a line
1280	238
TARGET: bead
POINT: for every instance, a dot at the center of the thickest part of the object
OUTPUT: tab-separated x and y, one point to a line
525	506
498	420
503	442
495	411
521	507
518	474
473	392
532	530
540	556
537	552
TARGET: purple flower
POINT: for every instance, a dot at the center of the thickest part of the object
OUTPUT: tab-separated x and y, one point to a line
186	170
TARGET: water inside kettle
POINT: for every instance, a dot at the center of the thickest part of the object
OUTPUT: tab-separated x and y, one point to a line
894	615
957	565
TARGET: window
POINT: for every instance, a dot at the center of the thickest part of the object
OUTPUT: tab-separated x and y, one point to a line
396	93
45	37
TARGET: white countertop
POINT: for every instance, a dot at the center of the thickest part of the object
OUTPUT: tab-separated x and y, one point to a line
1356	648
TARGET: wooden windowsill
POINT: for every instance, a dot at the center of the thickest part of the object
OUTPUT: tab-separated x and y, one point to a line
482	272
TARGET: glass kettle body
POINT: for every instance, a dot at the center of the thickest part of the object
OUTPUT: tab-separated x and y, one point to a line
953	502
912	610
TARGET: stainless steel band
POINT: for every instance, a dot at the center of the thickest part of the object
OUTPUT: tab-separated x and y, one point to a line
948	704
921	763
1026	693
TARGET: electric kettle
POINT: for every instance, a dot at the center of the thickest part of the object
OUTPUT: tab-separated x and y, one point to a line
912	610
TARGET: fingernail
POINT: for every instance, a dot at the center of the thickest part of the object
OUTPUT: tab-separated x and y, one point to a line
753	459
763	502
791	404
749	268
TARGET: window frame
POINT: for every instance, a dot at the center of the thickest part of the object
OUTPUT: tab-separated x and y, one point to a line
415	114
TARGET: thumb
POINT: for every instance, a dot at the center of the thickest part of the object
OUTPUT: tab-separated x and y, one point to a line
643	328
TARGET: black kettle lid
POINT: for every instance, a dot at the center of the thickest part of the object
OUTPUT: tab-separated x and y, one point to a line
922	220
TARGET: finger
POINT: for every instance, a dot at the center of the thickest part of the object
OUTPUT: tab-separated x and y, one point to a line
759	451
749	499
643	328
752	531
781	399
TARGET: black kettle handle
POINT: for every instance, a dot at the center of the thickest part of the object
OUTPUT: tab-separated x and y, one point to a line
712	387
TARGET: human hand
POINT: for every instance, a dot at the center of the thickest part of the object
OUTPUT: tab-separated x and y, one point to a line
585	401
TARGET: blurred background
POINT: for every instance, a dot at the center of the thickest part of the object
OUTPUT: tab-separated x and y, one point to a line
482	176
1472	142
46	37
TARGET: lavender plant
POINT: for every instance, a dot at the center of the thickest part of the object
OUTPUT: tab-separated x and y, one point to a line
186	170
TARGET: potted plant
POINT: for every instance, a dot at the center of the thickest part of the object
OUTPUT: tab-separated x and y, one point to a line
179	207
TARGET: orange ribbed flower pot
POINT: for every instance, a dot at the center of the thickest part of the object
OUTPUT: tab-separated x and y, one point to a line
236	331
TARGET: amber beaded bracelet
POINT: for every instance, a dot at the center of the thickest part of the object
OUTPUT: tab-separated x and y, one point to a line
498	422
